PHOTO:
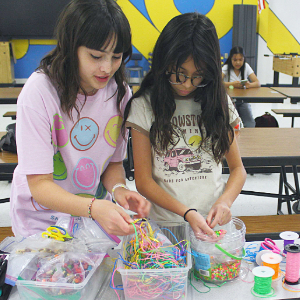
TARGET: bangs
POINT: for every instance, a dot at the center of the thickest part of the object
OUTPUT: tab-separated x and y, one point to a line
97	35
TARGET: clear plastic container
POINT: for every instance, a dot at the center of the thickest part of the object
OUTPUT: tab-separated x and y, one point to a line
158	283
219	261
88	289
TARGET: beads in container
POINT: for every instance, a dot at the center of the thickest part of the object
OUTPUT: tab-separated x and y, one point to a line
219	260
71	268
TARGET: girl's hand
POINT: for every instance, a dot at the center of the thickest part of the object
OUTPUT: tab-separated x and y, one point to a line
237	84
247	85
133	201
219	214
199	225
112	218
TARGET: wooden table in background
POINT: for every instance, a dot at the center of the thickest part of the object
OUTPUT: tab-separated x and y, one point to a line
259	227
9	95
257	95
289	92
293	113
273	150
5	232
10	114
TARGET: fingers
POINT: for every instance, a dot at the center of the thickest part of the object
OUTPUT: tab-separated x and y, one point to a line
199	225
135	202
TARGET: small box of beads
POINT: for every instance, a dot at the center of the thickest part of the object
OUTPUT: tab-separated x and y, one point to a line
70	275
155	261
219	260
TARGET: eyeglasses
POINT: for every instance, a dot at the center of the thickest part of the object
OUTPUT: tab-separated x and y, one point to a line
179	78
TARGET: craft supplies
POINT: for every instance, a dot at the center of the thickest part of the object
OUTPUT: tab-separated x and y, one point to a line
272	260
262	282
292	264
155	261
289	237
269	244
66	276
57	233
219	261
259	255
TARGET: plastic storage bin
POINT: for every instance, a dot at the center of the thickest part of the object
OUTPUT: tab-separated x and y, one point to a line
220	261
158	283
87	290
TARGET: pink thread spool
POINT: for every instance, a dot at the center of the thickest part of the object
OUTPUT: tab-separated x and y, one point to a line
292	264
289	237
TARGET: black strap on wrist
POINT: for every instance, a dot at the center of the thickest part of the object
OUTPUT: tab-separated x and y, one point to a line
187	212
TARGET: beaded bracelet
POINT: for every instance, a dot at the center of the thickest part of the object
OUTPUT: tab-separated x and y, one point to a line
116	186
90	208
187	212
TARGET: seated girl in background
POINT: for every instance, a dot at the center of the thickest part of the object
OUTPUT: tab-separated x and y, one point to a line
182	125
234	70
70	149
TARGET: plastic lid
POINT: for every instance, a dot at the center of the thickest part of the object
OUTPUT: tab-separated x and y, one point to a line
271	258
263	271
289	235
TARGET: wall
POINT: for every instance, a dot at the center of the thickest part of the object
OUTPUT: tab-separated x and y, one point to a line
278	29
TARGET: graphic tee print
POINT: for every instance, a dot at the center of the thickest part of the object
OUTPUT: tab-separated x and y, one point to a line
186	171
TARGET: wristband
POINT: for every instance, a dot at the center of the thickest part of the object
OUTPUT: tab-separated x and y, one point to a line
90	208
187	212
114	188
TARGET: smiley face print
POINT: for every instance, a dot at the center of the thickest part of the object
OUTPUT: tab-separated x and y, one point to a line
84	134
112	130
58	132
85	174
60	169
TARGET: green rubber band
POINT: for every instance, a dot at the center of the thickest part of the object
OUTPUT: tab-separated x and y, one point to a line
229	254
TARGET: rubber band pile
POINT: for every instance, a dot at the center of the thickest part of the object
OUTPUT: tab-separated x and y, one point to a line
150	249
147	253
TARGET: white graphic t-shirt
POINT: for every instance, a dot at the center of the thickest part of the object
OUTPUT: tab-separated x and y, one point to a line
77	151
186	172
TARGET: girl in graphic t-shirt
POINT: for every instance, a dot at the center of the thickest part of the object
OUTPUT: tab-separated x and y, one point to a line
237	73
182	125
70	147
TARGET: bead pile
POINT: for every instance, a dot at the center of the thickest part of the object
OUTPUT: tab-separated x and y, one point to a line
62	271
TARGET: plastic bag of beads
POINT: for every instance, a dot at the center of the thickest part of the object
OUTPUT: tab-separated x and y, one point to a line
90	232
67	268
24	250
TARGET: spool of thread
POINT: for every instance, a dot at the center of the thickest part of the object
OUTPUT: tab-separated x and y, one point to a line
259	255
289	237
272	260
292	264
262	282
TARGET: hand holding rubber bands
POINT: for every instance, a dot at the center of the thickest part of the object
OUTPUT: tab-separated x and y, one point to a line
150	249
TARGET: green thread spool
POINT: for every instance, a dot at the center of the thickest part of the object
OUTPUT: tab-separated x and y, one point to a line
262	282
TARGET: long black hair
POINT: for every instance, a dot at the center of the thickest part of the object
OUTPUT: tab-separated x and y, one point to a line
233	51
190	34
93	24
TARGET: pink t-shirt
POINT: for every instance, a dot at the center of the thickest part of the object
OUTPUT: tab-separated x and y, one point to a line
76	151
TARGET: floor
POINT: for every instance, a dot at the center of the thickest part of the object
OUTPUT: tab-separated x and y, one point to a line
243	206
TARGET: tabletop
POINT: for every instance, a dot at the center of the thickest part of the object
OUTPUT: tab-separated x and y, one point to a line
257	95
288	91
269	146
239	288
9	95
287	112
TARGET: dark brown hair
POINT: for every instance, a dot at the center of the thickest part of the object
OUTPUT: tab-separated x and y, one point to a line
89	23
190	34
